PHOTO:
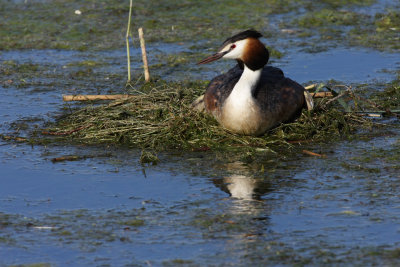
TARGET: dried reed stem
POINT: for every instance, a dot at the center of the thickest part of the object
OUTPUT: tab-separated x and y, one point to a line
321	94
310	153
311	86
144	55
93	97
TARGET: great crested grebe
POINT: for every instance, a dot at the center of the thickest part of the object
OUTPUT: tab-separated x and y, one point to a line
250	98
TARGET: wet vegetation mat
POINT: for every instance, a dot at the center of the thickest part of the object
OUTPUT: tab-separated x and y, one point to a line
86	25
160	117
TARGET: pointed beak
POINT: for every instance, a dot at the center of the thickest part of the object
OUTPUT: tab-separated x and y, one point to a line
212	58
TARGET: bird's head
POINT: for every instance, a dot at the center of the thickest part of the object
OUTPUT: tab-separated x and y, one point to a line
245	47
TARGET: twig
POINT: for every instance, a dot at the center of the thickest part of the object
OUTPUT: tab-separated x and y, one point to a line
65	158
310	153
311	86
76	157
377	113
144	55
15	138
321	94
336	97
93	97
299	141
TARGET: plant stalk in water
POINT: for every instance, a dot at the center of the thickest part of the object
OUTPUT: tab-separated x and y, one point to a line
128	33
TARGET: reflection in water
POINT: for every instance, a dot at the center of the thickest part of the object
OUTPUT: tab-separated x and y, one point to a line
240	186
247	211
246	193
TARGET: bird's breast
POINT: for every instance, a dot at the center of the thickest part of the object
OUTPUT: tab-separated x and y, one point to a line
242	116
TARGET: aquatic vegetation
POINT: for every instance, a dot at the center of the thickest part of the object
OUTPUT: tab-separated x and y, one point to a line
56	25
328	17
390	97
380	32
160	117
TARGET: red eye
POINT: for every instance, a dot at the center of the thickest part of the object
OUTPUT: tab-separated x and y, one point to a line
233	46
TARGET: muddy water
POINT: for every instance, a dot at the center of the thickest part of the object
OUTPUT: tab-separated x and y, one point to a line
192	209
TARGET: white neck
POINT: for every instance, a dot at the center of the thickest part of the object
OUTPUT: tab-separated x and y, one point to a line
240	112
247	82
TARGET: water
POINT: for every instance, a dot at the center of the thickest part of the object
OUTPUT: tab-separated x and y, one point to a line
192	209
347	65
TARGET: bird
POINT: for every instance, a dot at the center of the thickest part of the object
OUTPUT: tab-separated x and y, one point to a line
250	98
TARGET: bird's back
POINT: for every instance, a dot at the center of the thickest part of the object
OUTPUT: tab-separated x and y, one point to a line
278	95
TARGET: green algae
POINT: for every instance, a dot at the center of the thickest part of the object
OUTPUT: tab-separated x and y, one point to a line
326	18
380	32
101	24
87	63
389	98
359	167
134	223
147	157
9	67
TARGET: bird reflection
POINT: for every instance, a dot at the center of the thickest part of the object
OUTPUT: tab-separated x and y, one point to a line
246	206
241	184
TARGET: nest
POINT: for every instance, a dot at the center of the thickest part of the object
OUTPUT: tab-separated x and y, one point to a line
160	117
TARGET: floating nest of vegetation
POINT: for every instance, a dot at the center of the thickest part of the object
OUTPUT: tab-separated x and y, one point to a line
160	117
